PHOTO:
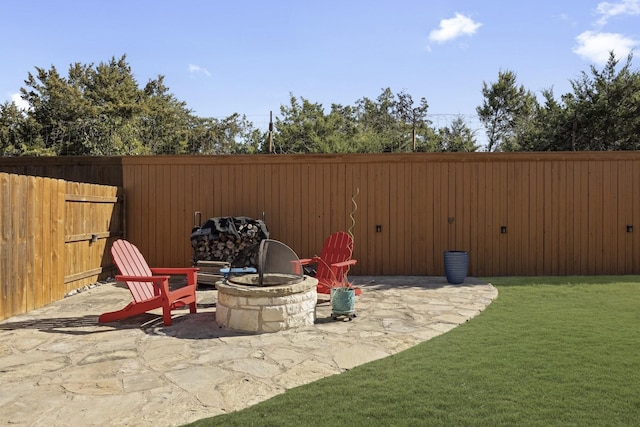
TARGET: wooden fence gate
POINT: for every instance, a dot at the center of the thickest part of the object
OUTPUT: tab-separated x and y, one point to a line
54	237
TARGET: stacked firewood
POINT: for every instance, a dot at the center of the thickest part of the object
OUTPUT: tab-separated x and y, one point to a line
235	240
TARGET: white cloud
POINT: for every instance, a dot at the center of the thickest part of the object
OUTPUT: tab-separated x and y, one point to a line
609	10
453	28
595	46
564	17
20	103
196	69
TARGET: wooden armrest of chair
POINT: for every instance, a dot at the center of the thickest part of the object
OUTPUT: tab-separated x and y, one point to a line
190	272
307	261
344	263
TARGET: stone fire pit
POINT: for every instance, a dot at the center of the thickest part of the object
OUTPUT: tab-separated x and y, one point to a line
257	309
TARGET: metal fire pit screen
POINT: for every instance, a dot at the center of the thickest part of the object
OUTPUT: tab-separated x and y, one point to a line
277	265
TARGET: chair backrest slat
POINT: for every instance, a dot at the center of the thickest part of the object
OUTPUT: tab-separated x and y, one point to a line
130	262
338	247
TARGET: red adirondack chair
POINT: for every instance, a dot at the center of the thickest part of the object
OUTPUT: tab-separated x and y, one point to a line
333	263
149	286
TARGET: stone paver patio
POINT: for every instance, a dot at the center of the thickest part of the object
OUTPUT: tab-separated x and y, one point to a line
59	367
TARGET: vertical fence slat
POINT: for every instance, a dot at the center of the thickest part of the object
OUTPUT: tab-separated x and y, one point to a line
609	218
289	202
561	244
301	248
361	227
377	216
595	217
405	218
625	216
491	222
479	221
6	245
58	239
569	219
384	200
421	219
512	219
458	198
486	235
441	226
585	237
18	225
635	221
523	212
470	204
48	285
33	240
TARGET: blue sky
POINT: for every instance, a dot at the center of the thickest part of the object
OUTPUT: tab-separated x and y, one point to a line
222	57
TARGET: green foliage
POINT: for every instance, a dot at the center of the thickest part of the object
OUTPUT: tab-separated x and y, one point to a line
303	128
393	124
100	110
457	137
602	113
390	123
12	122
231	135
550	127
506	112
605	108
547	351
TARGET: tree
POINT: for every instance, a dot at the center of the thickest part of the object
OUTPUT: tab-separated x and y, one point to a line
232	135
305	128
99	110
343	136
11	124
51	106
376	121
164	123
457	137
297	129
604	108
90	112
389	124
550	128
602	113
412	119
392	123
506	112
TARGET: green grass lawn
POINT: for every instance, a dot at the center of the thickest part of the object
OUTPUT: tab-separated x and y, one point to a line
547	351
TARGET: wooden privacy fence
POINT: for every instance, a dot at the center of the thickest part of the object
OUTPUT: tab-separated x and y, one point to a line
516	214
54	237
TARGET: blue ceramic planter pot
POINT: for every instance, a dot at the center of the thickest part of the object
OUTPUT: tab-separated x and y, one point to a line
456	265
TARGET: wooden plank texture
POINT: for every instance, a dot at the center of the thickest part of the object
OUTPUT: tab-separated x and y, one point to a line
565	213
